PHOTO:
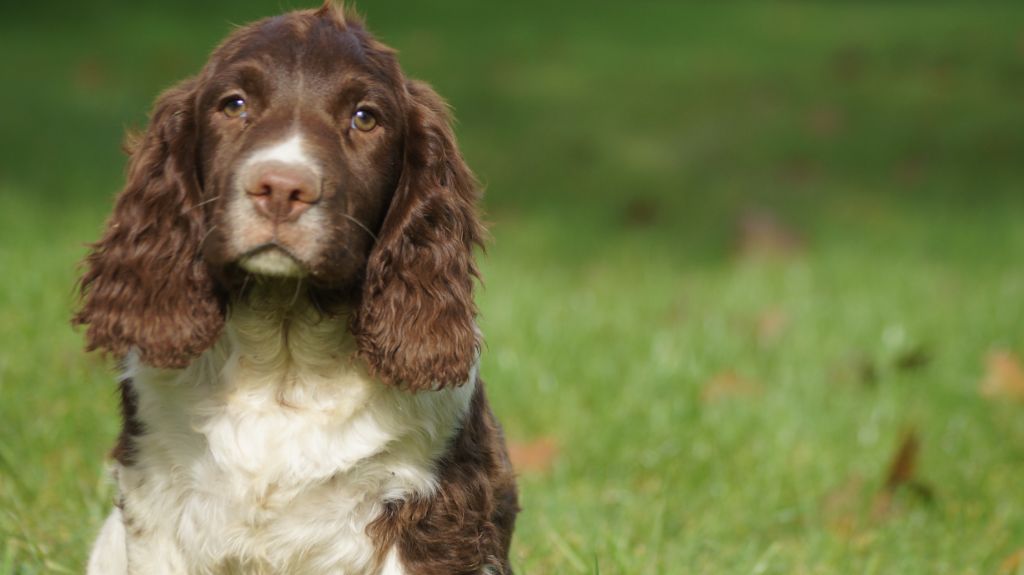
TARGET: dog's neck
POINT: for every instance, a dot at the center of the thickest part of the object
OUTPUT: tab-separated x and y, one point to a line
282	363
276	326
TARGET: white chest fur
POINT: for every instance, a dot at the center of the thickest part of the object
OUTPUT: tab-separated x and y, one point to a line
274	451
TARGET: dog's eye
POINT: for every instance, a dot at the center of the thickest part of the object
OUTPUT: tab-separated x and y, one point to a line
364	120
234	107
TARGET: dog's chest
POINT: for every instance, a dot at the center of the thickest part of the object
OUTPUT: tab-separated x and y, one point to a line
269	462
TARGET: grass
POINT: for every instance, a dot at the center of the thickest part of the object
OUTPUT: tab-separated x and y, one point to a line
621	147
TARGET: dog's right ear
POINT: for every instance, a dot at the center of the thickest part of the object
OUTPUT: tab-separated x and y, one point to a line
145	284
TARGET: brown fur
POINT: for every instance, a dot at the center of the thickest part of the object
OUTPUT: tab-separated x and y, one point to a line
467	524
125	449
416	322
162	277
157	280
146	285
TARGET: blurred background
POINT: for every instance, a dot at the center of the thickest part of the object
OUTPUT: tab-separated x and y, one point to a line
753	302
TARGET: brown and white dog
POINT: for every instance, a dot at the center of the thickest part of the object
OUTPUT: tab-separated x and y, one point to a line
288	278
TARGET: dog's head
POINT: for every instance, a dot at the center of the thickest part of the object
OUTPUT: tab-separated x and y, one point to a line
300	150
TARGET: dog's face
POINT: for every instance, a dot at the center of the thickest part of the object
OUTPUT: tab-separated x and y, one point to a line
301	128
299	150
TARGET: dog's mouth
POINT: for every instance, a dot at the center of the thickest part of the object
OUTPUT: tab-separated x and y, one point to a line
272	259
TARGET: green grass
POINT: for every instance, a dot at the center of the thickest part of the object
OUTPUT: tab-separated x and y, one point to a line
620	145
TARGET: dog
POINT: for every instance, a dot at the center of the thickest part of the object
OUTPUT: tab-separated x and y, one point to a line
287	281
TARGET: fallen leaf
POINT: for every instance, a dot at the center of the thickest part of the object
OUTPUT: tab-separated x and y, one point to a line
913	359
859	369
841	506
728	385
867	373
641	212
678	312
901	475
1012	564
1004	376
911	169
537	456
761	235
825	121
904	462
882	507
799	171
770	325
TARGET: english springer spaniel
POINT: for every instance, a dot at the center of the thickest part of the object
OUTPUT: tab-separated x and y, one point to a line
287	278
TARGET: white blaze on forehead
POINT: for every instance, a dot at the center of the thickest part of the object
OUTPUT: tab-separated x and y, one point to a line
290	150
249	230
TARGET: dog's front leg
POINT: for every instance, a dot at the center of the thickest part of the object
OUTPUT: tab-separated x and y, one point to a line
155	553
120	550
109	554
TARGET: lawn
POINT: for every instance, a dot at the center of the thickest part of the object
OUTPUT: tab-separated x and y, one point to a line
742	255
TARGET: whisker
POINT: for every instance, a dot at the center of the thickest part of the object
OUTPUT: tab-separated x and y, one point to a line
204	202
316	304
360	224
207	235
295	298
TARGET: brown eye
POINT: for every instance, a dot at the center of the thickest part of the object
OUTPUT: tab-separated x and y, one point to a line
234	107
364	120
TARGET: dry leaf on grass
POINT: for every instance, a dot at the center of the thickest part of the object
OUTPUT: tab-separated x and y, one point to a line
537	456
761	235
1012	564
1004	376
728	385
771	324
901	474
641	212
826	121
913	359
858	368
903	465
841	506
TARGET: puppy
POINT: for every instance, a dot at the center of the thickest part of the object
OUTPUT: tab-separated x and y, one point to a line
287	278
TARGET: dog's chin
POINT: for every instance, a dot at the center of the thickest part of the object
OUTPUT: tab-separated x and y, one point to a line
272	261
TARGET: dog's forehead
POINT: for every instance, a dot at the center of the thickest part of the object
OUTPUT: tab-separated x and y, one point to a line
312	42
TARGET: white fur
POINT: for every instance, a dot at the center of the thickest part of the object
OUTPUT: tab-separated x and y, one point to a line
391	564
249	230
109	553
272	262
289	151
271	454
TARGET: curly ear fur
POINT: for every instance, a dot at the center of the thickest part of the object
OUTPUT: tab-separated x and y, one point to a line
146	286
416	322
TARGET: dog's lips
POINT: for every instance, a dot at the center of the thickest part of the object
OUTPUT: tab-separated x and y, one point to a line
272	259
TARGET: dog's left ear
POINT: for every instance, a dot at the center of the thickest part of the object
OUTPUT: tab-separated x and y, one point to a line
416	323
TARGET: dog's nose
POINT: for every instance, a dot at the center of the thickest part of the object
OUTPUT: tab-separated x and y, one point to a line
282	192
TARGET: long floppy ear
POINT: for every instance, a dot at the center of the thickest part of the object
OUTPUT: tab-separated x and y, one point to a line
416	323
145	285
